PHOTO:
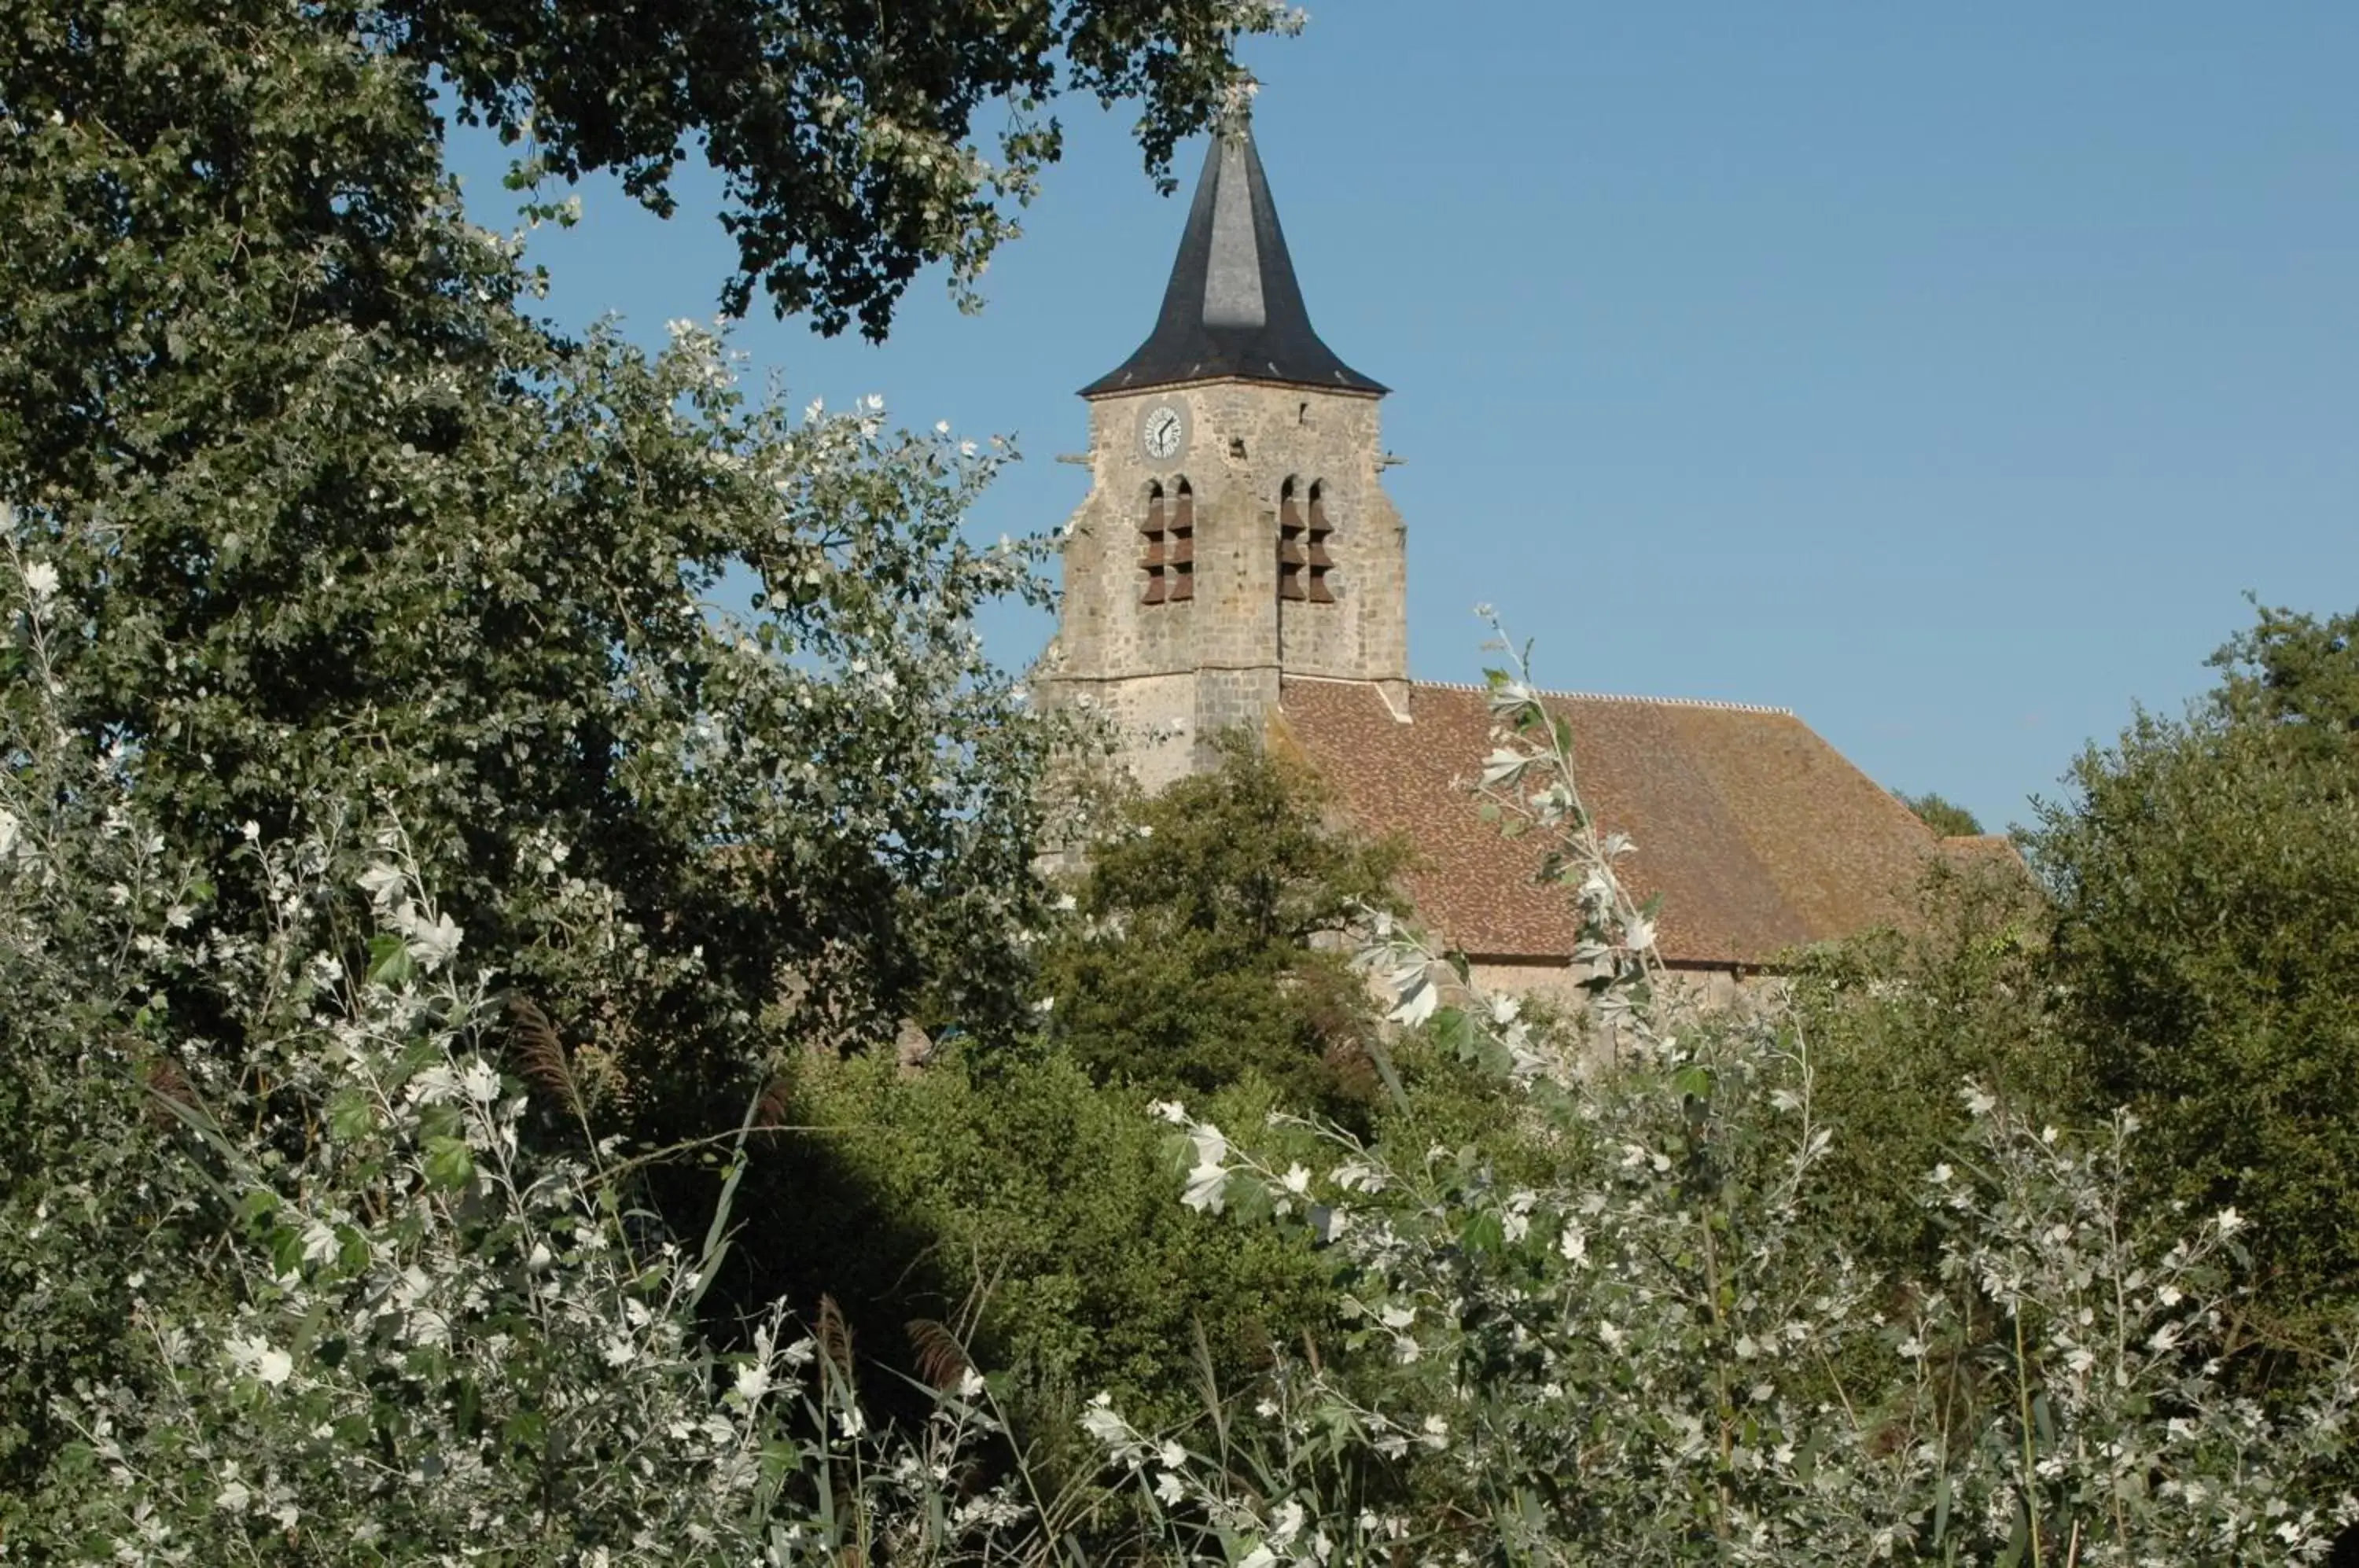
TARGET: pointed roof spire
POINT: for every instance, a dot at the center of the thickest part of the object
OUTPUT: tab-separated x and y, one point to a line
1232	307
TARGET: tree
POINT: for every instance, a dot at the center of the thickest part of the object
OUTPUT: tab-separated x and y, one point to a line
1943	816
2297	675
2204	871
1196	958
339	522
845	134
842	130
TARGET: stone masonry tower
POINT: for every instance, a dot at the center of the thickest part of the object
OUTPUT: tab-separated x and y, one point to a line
1235	532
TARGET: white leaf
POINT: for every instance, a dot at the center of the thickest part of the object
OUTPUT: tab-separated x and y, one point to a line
1204	1184
1502	764
1417	1005
434	944
1212	1148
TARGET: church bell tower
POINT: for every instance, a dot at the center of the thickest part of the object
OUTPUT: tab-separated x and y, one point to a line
1235	536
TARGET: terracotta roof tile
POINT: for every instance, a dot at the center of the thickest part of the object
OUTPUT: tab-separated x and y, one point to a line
1988	851
1759	835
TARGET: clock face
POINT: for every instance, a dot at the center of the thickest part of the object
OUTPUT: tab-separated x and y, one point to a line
1162	432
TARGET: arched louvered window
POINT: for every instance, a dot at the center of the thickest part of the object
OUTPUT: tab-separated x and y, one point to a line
1316	562
1168	532
1303	562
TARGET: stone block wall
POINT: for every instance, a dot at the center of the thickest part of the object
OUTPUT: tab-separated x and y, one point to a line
1230	640
1714	986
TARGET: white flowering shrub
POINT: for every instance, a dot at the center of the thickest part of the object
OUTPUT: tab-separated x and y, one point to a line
1656	1353
366	1306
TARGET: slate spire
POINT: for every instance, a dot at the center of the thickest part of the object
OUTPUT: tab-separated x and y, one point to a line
1233	308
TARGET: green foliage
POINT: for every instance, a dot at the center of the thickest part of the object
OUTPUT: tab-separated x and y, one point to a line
338	527
1208	943
2299	675
1021	1192
844	136
2205	871
94	1188
1021	1203
843	131
1008	1195
322	528
1943	816
1896	1023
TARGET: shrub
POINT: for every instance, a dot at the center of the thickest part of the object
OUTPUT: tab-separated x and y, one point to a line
309	1288
1208	939
1897	1020
1019	1201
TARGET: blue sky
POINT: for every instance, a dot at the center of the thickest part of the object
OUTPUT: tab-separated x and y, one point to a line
1946	375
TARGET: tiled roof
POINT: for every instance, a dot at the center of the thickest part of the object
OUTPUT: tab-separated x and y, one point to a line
1986	851
1759	835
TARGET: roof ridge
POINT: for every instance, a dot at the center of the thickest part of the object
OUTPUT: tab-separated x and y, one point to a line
1619	697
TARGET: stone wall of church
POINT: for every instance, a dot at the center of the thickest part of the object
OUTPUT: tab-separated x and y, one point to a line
1228	638
1156	717
1711	985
